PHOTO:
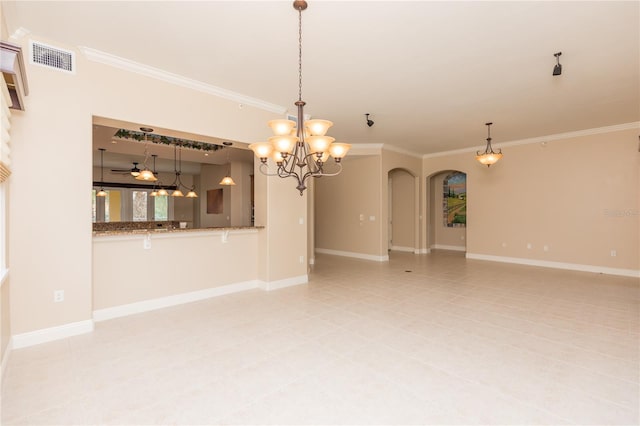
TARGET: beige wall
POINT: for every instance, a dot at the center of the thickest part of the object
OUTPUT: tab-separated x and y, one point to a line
5	317
210	175
341	200
53	137
577	196
443	236
241	194
124	272
402	204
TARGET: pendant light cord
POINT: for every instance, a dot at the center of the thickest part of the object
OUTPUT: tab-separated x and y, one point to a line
299	54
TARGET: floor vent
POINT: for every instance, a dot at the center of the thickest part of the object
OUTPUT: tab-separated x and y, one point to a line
52	57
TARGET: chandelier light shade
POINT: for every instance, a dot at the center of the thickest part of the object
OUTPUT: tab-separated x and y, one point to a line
489	156
145	174
177	182
300	149
102	192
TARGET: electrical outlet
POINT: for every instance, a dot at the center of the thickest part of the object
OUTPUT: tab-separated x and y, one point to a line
58	296
545	248
614	253
301	259
529	246
146	243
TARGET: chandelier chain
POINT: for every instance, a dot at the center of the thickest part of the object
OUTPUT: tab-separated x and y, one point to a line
299	54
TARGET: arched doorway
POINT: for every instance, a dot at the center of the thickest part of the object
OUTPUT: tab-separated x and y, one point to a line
447	210
402	223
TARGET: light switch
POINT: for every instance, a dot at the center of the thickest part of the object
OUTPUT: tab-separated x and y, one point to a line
372	218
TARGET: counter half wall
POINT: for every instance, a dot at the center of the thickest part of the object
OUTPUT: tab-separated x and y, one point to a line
142	271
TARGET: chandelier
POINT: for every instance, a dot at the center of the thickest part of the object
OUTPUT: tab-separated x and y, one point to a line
489	157
300	149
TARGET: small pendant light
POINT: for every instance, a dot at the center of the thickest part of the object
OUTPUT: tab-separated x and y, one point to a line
102	192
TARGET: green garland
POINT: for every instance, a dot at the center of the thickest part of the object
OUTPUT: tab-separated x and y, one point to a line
166	140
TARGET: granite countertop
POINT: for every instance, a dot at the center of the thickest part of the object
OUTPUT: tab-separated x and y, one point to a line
169	231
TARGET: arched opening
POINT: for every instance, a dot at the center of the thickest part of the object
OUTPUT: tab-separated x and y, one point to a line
447	210
402	224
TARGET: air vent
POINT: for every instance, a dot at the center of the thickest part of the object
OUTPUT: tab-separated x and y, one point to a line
52	57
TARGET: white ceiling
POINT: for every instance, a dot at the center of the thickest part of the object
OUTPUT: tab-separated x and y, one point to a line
430	73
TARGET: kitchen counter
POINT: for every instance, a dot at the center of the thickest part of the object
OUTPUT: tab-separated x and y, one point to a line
171	230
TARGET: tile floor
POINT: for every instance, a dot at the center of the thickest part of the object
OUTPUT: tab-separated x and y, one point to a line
431	339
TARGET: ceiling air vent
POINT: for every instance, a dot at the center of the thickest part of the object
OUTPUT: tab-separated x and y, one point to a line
52	57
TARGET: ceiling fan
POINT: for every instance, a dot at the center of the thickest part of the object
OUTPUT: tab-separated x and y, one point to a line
134	171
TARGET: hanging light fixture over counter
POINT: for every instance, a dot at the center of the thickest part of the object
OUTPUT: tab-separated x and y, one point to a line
300	152
489	156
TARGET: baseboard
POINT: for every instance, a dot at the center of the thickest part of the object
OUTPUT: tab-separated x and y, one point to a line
49	334
165	302
287	282
5	358
445	247
424	251
384	258
404	249
557	265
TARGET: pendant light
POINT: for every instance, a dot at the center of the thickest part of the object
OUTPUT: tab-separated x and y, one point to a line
227	180
177	182
145	173
102	192
488	157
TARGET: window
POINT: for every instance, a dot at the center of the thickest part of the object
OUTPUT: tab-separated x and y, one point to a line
161	207
139	199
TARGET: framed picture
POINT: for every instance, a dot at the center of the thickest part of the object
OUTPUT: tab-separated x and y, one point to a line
215	201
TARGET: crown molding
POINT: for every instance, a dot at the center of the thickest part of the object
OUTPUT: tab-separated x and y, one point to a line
544	139
366	149
401	150
19	33
158	74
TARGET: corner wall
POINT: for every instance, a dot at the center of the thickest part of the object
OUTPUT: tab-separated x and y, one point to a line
567	203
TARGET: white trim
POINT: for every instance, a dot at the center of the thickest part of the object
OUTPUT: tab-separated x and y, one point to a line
365	149
445	247
4	275
557	265
401	151
373	257
5	358
19	33
405	249
152	72
52	333
424	251
559	136
312	261
287	282
165	302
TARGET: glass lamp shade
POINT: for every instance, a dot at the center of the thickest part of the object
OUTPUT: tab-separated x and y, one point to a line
281	127
162	192
154	193
284	143
319	143
318	127
227	180
101	193
324	157
177	193
489	158
191	194
146	175
339	150
261	149
277	157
